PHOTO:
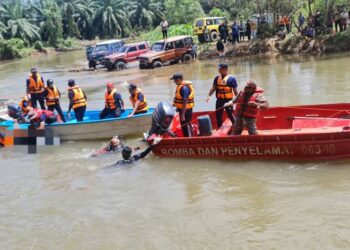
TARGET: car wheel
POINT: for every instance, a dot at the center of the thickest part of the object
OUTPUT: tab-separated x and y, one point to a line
157	64
214	36
141	66
110	66
121	65
92	64
186	57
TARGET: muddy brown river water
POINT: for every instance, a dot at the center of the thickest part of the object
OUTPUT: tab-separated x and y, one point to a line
61	199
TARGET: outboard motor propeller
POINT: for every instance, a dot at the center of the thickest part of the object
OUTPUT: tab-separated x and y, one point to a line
161	119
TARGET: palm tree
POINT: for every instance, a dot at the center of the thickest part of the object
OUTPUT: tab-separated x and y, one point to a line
85	18
23	29
145	12
111	19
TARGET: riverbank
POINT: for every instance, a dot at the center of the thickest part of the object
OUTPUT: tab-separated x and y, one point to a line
291	45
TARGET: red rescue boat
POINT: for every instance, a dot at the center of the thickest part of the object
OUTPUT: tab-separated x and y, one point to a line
309	133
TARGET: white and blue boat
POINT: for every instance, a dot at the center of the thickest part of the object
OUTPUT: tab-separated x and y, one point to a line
92	127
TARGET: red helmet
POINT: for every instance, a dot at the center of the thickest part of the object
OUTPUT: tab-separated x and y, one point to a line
110	85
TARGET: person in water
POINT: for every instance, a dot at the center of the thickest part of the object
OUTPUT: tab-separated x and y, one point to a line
127	151
114	145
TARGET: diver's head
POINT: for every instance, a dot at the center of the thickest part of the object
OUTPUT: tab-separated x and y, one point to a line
126	153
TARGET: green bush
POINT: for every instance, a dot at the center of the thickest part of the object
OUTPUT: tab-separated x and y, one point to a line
338	42
38	45
66	44
12	48
216	12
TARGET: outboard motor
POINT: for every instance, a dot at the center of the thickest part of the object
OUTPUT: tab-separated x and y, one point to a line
161	119
15	112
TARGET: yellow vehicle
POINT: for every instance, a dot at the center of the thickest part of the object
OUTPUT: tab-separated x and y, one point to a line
207	28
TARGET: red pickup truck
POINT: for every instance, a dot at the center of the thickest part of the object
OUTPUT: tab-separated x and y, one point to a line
127	53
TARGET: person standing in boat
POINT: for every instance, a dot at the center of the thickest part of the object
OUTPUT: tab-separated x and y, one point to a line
77	100
184	103
225	86
138	100
52	96
35	88
248	103
114	104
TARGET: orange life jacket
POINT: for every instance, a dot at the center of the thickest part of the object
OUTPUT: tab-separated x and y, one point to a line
242	104
25	108
109	99
143	106
52	96
37	86
178	100
222	90
79	99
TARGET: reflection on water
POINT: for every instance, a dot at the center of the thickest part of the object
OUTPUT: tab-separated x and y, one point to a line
63	199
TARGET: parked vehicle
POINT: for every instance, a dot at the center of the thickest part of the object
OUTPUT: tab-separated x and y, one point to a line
126	54
101	50
207	26
172	50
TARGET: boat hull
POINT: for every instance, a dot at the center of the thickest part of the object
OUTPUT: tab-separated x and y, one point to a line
298	133
93	128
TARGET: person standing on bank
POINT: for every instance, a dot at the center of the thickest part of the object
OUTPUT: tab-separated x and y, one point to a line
35	88
225	86
184	103
164	26
138	100
52	96
114	104
77	100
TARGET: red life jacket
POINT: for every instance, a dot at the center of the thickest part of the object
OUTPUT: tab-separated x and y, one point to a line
248	111
39	113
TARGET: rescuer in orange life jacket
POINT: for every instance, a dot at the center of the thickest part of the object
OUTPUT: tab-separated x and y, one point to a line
52	96
35	88
248	103
24	104
114	104
138	100
77	101
225	87
184	103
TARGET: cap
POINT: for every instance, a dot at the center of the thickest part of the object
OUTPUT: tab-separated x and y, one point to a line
49	81
222	65
132	86
177	76
110	85
71	82
33	70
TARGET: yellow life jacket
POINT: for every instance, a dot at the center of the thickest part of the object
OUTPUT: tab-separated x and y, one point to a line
178	100
222	90
79	99
143	106
52	96
109	99
37	86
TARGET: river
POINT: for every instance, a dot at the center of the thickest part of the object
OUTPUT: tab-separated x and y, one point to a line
62	199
